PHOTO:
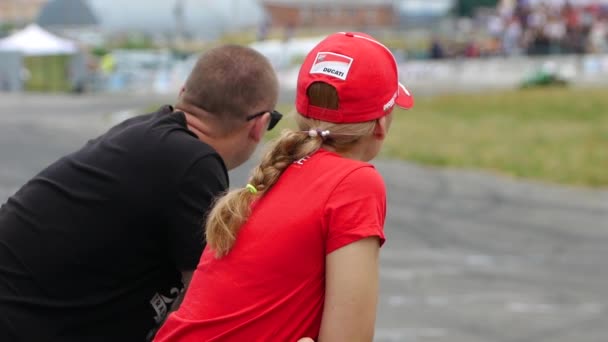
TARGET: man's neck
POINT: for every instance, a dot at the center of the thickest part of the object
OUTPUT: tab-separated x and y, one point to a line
197	127
204	134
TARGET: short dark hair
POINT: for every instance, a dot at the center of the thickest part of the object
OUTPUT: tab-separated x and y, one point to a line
228	81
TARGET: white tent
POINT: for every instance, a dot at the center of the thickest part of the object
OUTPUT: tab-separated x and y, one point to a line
35	41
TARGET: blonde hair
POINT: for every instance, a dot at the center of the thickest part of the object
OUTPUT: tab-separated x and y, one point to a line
233	209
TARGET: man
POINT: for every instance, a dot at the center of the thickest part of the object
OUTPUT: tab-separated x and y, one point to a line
99	245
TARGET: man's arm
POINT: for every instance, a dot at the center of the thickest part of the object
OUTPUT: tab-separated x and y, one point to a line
197	189
203	181
186	278
351	292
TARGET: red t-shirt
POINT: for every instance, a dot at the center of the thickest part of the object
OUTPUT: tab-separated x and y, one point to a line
271	285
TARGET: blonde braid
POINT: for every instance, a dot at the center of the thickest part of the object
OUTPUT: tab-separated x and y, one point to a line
231	211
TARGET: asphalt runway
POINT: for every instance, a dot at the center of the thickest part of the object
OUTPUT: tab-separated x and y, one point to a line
470	256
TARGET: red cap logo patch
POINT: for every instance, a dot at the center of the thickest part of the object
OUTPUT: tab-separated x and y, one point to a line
331	64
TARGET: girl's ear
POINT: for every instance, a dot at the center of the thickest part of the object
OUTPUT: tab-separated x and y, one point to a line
381	128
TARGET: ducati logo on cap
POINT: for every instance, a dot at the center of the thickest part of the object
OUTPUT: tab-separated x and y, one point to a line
331	64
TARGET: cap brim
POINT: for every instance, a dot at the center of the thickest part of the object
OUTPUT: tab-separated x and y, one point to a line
404	99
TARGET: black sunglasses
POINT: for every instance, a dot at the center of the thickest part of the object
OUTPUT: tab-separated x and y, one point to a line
275	117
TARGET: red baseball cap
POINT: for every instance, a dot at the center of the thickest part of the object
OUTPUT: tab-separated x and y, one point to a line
364	73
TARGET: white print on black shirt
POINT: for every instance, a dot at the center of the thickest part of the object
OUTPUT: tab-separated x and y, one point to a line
160	304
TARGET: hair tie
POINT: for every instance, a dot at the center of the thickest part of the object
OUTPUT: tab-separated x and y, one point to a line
251	189
317	132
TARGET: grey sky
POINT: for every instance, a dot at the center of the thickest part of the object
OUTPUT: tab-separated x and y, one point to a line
203	18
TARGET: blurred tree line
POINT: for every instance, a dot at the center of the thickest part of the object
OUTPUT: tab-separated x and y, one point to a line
466	8
5	29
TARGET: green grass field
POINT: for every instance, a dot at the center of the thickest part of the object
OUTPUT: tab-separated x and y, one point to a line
558	135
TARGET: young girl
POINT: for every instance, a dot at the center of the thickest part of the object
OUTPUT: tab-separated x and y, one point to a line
295	253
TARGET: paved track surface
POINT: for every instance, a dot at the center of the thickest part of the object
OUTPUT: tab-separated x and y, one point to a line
470	256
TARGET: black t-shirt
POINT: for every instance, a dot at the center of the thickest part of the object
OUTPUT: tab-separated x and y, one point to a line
91	248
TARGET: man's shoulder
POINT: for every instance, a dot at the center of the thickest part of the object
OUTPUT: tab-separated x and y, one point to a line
161	131
142	119
169	144
158	141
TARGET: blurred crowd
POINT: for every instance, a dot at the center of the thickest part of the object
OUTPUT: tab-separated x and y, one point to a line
536	27
551	27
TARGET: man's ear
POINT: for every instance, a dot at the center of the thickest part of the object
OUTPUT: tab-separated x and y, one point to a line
182	90
381	128
259	127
